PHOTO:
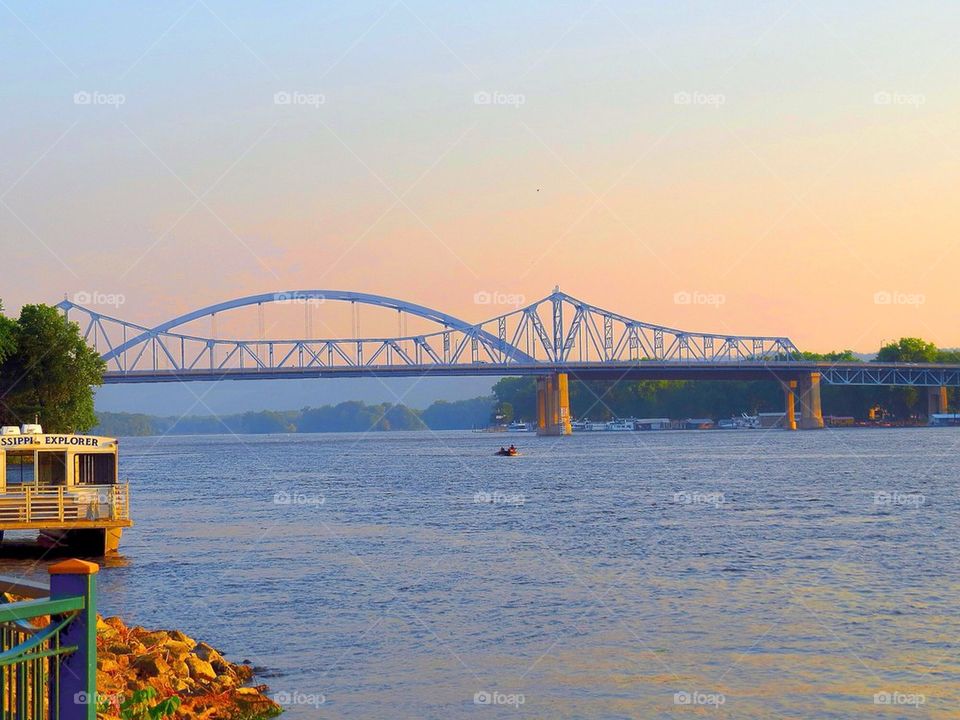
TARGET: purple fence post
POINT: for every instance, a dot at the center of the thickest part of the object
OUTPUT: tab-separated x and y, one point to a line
78	671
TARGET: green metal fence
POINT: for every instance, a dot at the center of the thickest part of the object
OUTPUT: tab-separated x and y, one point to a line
48	648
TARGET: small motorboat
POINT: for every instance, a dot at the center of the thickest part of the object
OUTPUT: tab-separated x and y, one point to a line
507	452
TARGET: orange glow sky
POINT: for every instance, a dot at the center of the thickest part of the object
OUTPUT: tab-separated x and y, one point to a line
797	162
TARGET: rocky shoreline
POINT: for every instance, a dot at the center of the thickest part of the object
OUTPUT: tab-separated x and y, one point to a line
132	659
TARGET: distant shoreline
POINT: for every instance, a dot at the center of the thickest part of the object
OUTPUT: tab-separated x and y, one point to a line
478	431
353	416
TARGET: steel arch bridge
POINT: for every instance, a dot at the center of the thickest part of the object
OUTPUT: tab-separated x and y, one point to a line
550	339
558	332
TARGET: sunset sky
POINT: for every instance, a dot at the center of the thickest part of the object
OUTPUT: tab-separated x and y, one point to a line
797	162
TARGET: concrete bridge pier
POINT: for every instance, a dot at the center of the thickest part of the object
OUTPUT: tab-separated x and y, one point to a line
790	405
811	414
553	405
936	400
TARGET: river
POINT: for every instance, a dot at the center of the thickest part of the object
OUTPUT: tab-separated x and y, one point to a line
747	574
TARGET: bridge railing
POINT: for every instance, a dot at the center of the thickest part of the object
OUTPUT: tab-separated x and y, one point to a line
48	649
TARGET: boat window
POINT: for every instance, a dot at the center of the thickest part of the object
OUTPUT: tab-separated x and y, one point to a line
51	468
94	469
19	468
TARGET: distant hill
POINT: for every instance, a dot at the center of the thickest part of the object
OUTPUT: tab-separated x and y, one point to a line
351	416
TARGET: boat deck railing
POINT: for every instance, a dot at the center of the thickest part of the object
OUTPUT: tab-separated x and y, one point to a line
32	504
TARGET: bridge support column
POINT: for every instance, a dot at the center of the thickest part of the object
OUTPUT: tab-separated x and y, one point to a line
811	414
553	405
790	405
936	400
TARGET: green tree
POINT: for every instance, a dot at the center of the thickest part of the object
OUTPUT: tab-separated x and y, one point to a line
521	393
835	356
502	414
125	424
458	415
50	374
948	356
911	350
266	421
8	335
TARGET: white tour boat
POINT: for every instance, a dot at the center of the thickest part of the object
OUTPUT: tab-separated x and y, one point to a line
65	486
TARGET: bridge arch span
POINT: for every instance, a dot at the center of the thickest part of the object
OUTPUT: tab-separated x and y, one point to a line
383	301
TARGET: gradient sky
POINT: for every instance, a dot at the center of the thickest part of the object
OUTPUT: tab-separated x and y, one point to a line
788	160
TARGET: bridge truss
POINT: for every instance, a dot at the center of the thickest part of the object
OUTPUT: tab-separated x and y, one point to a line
551	333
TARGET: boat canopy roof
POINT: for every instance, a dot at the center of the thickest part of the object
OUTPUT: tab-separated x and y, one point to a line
56	441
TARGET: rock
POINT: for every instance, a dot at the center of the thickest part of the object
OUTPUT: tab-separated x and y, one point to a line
177	649
183	684
224	682
151	639
255	703
182	637
200	669
103	678
150	665
172	663
179	667
107	664
116	623
205	652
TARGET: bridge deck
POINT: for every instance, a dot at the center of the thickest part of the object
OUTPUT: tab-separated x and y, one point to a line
831	373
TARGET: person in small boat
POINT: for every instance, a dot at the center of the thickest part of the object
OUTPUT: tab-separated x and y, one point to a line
512	449
502	450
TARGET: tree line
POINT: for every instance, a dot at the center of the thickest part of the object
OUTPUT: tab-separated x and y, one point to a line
351	416
516	398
